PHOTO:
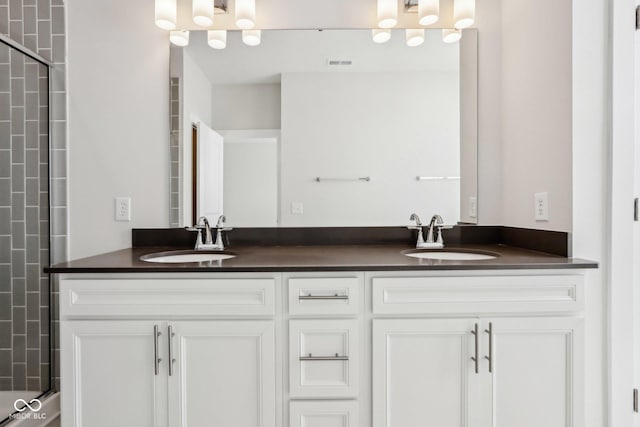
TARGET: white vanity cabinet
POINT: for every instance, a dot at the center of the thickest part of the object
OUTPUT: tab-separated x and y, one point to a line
468	361
206	357
323	349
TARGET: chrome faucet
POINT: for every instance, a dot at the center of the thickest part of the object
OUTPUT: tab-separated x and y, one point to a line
208	244
435	226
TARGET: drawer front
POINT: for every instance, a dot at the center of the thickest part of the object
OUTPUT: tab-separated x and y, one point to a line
323	358
481	294
323	414
328	295
140	298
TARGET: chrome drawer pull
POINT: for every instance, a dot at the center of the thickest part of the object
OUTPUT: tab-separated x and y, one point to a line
475	358
156	359
172	360
312	358
323	297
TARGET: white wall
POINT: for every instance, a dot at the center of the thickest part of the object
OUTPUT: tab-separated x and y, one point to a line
536	111
336	125
118	127
255	106
196	107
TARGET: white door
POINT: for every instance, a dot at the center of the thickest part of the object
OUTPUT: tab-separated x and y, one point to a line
108	374
251	181
423	372
538	376
209	173
223	374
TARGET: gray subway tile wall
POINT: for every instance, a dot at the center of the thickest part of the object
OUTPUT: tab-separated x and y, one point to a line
24	181
174	213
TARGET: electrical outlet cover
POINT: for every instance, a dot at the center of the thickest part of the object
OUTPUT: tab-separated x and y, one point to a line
541	206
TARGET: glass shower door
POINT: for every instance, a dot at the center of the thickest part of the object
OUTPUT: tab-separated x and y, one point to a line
24	231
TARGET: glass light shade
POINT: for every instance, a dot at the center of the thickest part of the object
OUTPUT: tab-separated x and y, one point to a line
166	12
415	36
428	11
203	12
179	37
387	13
217	39
451	35
464	13
251	37
381	35
245	14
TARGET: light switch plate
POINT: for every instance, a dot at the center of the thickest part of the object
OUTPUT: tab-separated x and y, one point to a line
541	206
473	207
297	208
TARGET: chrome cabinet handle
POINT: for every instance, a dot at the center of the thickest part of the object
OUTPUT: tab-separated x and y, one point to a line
156	359
475	358
490	356
172	360
312	358
323	297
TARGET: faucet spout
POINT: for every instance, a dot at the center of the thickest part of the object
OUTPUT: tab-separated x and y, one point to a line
435	220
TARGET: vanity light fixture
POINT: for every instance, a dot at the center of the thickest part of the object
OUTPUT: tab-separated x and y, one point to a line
428	11
166	12
381	35
387	13
179	37
451	35
251	37
203	12
464	13
414	36
245	14
217	39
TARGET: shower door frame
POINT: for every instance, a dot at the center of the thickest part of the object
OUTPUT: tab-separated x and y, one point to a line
12	44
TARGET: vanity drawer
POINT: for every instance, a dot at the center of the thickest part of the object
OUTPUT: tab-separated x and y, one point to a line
323	414
477	294
324	295
323	358
145	298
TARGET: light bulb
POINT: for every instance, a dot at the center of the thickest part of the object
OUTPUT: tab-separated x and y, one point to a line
179	37
387	13
381	35
203	12
464	13
245	14
217	39
251	37
166	14
428	11
415	36
451	35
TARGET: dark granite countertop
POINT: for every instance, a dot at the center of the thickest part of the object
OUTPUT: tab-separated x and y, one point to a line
321	258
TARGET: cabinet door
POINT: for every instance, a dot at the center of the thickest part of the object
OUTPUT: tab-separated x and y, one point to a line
537	372
223	374
108	374
422	372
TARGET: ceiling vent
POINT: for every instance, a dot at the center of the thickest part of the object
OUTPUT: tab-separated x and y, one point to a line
339	62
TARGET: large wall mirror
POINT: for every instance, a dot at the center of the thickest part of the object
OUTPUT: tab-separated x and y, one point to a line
324	128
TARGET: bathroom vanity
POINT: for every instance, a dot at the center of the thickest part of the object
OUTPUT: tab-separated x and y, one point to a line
323	336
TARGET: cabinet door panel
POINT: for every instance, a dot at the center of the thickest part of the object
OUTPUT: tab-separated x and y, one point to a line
224	374
537	369
421	372
324	414
108	375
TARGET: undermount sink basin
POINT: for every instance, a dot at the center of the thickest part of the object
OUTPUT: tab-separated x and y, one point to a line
451	255
179	257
